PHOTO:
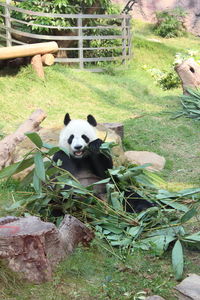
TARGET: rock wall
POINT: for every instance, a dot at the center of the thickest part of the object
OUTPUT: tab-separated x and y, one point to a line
145	9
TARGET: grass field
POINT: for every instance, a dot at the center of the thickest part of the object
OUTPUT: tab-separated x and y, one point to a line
128	95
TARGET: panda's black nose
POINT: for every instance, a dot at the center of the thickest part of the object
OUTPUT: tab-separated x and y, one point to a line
77	147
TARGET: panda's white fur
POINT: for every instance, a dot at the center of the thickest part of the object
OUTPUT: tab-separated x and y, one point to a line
83	133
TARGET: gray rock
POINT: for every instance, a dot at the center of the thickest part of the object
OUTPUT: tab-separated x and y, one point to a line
189	288
144	157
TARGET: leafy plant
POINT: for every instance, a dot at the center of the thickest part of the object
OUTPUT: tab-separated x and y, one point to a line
190	104
166	80
154	229
170	23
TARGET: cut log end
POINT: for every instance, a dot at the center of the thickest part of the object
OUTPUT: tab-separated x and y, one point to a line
48	59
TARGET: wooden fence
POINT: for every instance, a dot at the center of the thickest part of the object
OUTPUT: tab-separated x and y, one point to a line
116	45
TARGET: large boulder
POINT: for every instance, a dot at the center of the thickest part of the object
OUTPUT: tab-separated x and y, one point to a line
144	157
189	288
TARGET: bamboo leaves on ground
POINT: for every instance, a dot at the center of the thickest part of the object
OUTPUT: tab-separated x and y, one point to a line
155	228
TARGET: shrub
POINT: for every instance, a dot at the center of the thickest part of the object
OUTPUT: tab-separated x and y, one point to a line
166	80
169	80
170	23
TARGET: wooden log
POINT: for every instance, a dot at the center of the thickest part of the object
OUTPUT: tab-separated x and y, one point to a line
8	144
189	73
48	59
36	247
28	50
36	63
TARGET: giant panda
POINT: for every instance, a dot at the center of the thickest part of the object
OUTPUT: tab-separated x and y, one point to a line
86	162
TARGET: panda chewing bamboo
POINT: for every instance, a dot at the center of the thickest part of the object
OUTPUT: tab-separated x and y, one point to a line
86	162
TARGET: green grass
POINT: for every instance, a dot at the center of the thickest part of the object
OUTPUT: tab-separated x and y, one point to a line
129	96
94	274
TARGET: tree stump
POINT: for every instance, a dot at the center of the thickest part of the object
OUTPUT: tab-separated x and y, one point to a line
8	144
33	247
118	128
189	73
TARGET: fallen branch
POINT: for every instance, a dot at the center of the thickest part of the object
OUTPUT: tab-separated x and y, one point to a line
8	144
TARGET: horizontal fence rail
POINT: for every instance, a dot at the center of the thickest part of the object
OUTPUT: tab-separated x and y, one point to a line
83	43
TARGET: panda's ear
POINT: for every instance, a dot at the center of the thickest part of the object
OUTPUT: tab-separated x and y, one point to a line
67	119
91	120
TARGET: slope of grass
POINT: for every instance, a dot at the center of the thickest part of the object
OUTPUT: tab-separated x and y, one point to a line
117	98
130	96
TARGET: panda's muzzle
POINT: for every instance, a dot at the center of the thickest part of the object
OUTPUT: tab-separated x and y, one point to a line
79	151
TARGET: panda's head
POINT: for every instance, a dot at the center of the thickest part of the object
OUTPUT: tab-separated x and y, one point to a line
77	134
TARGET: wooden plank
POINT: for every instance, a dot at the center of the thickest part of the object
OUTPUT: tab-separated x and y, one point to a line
70	16
3	36
8	24
66	38
28	50
91	59
18	42
93	48
124	33
80	42
68	27
2	27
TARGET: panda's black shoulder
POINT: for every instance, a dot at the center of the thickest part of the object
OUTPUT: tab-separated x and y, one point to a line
66	162
60	155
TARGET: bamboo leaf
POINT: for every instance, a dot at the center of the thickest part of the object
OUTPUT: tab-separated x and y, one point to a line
134	231
16	168
159	242
112	228
101	181
35	138
39	166
188	215
37	183
194	237
53	150
9	171
177	260
175	205
115	200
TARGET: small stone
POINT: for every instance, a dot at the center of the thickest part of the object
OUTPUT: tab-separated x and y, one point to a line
155	297
143	157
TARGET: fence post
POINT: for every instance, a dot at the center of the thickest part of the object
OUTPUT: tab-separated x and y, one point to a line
129	37
8	24
80	41
124	40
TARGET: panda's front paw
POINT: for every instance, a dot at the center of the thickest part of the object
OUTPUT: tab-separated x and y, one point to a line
95	145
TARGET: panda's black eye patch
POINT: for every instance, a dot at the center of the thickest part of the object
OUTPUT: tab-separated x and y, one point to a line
86	139
70	139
